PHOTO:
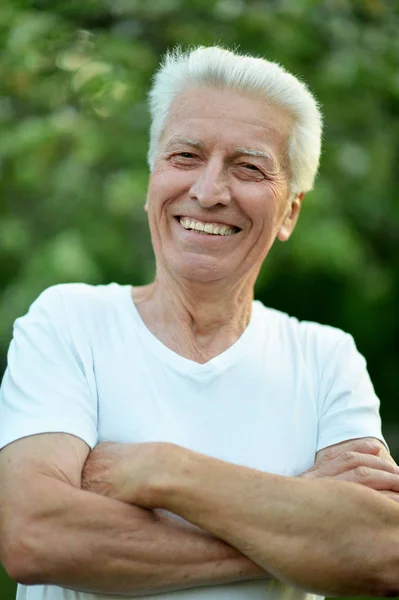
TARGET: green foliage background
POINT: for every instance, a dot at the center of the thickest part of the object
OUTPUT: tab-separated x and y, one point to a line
73	139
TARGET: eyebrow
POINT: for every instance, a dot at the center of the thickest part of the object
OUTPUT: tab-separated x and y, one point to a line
273	164
178	139
250	152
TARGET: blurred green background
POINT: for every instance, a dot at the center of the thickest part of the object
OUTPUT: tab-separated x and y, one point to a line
73	140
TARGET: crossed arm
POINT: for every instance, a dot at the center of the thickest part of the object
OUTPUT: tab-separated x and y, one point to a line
315	534
320	532
53	532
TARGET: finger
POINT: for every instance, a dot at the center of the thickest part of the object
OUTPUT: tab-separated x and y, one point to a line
349	461
373	478
361	445
384	452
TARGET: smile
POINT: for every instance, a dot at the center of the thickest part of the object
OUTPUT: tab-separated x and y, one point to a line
207	228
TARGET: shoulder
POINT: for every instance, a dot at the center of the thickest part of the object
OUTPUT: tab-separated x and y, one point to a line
77	293
75	311
66	298
324	341
315	342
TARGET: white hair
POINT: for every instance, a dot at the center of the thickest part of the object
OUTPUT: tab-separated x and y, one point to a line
218	67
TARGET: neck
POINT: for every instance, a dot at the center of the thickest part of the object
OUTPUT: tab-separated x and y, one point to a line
197	320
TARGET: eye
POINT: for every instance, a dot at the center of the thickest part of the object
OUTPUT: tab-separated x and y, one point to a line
186	154
250	171
184	159
250	167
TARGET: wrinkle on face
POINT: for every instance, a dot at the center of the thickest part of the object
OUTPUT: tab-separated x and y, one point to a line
225	105
218	132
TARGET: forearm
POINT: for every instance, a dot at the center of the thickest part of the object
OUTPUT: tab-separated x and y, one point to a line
87	542
325	536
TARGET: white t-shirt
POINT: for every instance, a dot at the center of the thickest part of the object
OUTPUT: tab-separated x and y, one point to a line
83	362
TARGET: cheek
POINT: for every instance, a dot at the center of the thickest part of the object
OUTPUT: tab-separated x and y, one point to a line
275	201
261	208
166	178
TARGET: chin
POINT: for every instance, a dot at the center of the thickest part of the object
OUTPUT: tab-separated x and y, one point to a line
199	271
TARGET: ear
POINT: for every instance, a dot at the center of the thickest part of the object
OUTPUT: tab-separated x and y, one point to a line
146	204
291	217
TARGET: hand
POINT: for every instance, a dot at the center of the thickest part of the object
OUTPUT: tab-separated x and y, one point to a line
365	461
128	472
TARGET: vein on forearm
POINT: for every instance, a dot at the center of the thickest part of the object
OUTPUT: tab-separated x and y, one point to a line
326	536
84	541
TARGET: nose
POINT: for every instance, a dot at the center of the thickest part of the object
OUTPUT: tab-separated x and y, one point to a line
211	185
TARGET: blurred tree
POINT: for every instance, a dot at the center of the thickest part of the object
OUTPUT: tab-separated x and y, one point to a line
73	142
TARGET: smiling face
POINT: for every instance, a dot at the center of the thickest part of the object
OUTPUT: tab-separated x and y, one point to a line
219	192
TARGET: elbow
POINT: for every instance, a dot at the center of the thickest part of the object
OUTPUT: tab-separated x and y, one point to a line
387	579
379	583
390	585
19	560
391	578
18	570
390	590
392	593
386	590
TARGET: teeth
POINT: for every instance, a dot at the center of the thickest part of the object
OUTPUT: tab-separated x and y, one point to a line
208	228
228	231
185	222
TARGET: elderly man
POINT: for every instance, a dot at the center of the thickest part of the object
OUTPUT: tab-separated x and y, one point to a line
244	455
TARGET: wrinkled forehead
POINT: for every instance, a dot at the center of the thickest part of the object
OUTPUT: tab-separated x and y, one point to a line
228	116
